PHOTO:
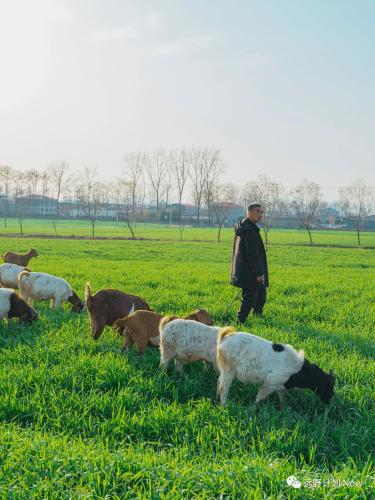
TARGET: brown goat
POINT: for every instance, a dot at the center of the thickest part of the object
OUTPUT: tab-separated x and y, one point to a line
108	305
142	327
19	259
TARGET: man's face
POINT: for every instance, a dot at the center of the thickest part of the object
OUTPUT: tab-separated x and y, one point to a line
255	215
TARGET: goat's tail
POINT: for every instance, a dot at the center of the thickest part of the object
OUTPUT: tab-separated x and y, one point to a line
23	274
166	320
225	332
88	294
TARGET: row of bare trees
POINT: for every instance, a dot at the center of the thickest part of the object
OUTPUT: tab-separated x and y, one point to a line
305	201
160	177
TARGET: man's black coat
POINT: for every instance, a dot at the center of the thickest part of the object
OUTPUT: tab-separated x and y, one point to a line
249	256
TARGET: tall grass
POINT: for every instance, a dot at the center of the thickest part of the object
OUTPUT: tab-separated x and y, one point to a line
78	419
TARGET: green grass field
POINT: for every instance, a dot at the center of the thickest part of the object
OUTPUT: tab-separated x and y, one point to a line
78	419
80	228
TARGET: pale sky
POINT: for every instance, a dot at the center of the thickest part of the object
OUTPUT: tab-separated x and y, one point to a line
283	87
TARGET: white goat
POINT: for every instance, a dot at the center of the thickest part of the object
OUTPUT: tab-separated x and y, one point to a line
9	274
254	360
42	286
185	341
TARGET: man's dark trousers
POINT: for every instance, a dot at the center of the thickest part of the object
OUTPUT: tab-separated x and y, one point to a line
253	298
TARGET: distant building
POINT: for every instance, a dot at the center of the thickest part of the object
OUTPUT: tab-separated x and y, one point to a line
370	222
7	206
235	212
35	206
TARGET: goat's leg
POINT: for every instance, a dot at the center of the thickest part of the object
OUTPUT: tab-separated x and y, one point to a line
59	302
97	328
225	382
179	365
263	393
31	302
52	304
218	387
281	395
128	342
165	357
141	343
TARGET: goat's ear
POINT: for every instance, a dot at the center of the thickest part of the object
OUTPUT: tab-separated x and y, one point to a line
119	323
301	354
25	318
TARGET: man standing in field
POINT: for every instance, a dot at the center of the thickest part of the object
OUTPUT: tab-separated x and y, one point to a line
249	263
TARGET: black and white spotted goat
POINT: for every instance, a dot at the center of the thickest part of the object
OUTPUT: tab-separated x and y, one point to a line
277	367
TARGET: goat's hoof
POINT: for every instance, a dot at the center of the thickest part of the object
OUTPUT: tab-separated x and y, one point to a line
251	410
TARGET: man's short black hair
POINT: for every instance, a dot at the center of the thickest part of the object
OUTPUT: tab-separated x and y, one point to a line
254	205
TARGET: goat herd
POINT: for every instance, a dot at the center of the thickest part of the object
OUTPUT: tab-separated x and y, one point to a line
235	355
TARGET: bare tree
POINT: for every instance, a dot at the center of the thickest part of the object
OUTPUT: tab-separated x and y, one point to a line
168	180
180	172
126	197
305	201
90	195
224	199
272	197
7	175
21	201
198	177
58	172
44	179
205	168
134	163
155	165
356	202
213	168
32	178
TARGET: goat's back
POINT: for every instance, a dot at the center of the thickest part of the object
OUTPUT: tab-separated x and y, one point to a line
113	304
11	257
180	328
248	353
9	274
43	285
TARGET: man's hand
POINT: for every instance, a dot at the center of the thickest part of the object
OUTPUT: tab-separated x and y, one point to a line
260	279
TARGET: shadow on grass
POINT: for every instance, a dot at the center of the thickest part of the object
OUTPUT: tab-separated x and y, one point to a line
13	333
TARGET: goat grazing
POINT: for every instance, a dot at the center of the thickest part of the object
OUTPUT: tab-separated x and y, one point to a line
12	306
19	259
142	327
253	360
9	274
108	305
185	341
42	286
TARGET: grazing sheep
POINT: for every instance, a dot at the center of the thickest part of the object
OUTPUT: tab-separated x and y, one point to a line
108	305
12	306
253	360
185	341
42	286
9	274
142	327
19	259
